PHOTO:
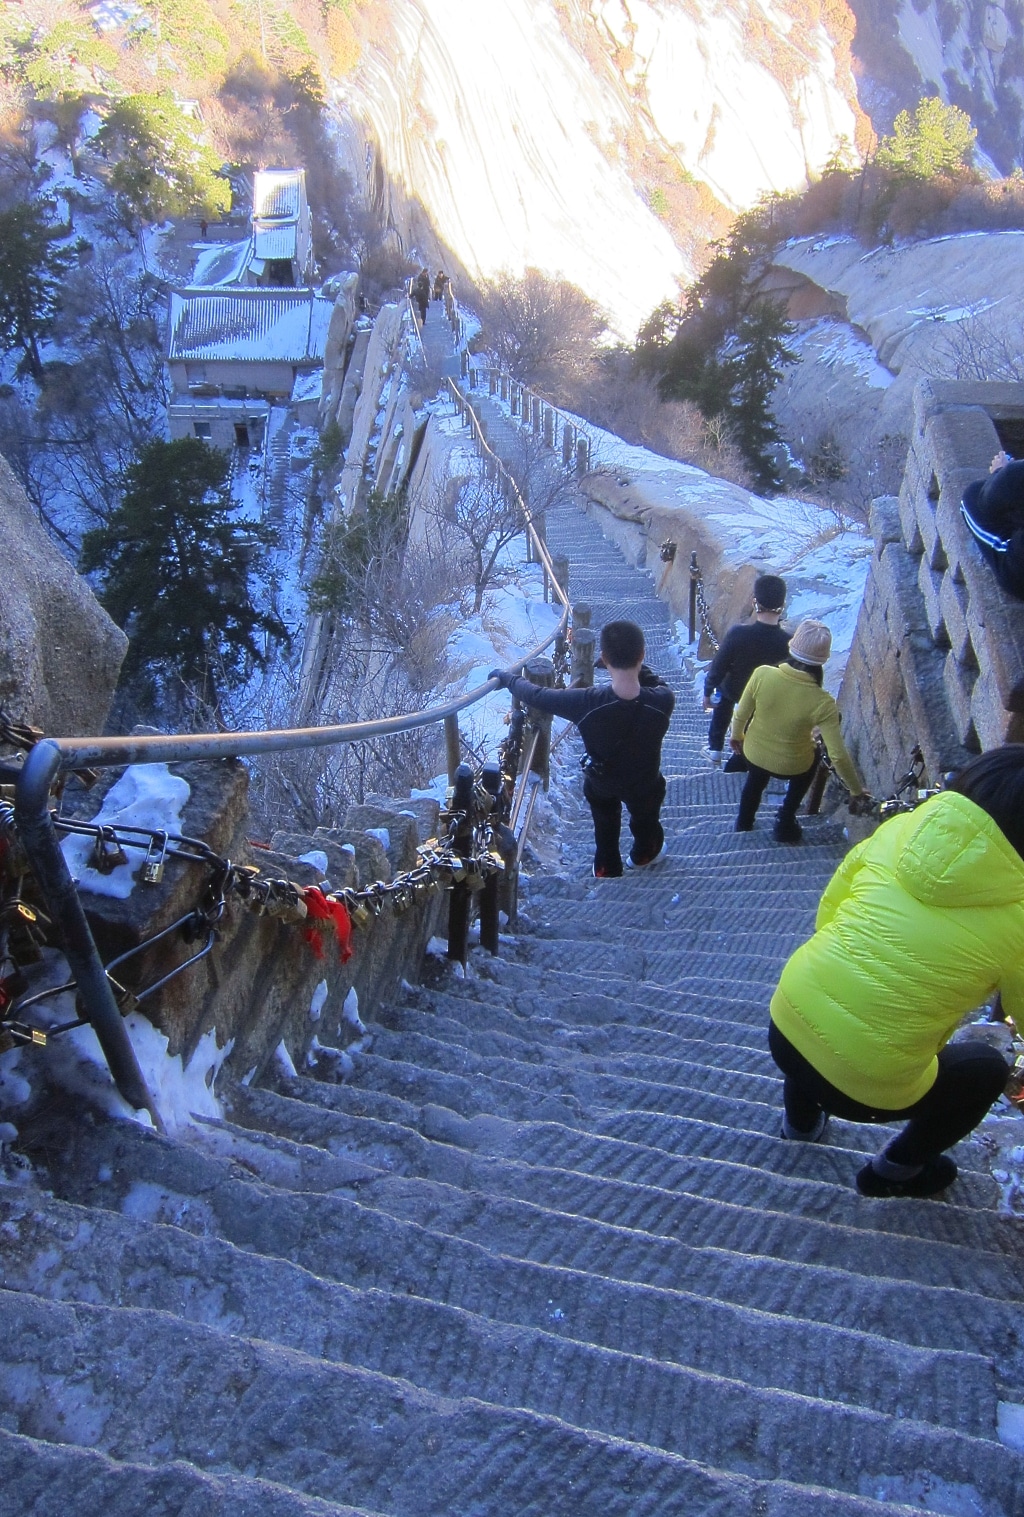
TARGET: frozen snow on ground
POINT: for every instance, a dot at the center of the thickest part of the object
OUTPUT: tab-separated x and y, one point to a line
75	1062
836	346
146	795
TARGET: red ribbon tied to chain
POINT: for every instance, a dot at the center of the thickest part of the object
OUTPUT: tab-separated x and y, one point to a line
324	912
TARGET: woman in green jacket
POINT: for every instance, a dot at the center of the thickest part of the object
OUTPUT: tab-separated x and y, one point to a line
778	711
920	924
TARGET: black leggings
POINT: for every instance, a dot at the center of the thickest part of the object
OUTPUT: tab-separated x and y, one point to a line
756	784
972	1075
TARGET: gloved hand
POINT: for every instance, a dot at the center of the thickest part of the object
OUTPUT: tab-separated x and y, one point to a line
861	805
502	676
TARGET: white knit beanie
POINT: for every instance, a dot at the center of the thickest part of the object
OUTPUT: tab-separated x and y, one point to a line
811	643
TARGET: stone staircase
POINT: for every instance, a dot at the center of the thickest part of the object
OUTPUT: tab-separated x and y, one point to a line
544	1254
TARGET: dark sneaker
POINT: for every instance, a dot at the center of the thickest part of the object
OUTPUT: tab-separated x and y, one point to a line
743	826
600	873
632	863
934	1177
787	830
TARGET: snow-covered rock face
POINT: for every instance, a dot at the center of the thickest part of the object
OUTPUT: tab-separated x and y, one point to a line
709	74
969	53
506	123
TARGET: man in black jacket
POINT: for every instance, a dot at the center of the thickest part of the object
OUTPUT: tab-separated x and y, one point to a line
622	727
993	510
744	648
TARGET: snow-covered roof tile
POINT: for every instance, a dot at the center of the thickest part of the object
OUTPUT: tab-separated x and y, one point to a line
277	194
275	241
248	324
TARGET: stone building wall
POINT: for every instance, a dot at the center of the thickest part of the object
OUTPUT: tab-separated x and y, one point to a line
938	655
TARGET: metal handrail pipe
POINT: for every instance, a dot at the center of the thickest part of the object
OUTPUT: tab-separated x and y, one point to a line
179	748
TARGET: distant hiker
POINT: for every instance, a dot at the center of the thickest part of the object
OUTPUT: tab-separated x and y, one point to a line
772	726
622	727
744	648
920	924
440	281
202	229
993	509
421	292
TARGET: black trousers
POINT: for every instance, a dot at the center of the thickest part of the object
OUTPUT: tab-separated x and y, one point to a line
721	716
644	808
756	784
971	1077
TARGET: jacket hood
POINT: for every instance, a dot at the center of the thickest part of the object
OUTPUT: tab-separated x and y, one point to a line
953	854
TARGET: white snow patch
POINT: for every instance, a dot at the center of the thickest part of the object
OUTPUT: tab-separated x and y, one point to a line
146	795
284	1058
14	1088
317	1001
181	1092
1010	1424
316	857
350	1010
382	835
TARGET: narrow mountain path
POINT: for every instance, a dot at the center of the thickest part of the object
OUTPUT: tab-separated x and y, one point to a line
545	1253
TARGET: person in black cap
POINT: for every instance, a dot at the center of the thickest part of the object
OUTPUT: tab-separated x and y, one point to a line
744	648
993	509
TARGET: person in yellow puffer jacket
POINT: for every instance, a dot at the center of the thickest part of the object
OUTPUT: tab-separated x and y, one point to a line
772	727
920	924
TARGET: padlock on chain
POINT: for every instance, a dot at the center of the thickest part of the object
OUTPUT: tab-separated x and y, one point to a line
153	865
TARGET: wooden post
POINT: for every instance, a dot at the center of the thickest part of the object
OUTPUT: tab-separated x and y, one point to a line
568	444
549	427
541	671
580	615
583	640
535	409
561	568
464	363
514	398
582	455
504	387
459	898
492	382
694	577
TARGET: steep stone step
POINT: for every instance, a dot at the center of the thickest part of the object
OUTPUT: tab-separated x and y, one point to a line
547	1042
65	1253
629	1183
516	1003
722	1251
610	1106
52	1479
334	1430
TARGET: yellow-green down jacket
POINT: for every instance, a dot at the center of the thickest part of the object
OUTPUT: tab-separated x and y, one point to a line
919	924
775	716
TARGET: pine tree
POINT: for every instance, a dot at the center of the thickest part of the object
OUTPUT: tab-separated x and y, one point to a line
754	368
31	269
159	167
176	568
937	139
